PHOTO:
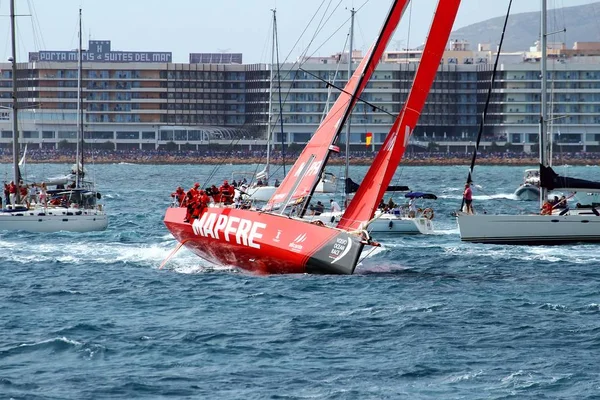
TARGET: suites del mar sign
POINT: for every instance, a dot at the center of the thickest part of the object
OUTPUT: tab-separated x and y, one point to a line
99	51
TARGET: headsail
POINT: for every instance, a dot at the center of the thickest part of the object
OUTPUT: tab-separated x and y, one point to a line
552	181
304	175
362	207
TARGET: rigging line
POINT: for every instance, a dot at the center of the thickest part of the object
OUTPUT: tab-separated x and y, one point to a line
330	88
487	101
37	25
263	53
299	60
368	254
304	31
373	106
217	166
318	29
326	39
303	58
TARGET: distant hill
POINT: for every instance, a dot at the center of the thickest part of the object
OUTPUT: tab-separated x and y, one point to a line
582	24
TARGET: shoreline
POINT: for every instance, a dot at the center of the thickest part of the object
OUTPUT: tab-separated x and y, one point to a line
432	161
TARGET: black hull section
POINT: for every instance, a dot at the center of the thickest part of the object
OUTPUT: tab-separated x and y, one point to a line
339	256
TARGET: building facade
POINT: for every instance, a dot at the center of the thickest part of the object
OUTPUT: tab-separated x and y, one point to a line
142	100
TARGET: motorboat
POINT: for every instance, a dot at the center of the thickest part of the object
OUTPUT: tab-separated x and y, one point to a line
529	190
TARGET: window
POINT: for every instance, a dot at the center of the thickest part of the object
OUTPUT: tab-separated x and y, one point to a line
148	135
67	135
31	135
168	134
128	135
47	134
103	135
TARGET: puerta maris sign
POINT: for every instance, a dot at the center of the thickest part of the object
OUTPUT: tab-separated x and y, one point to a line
99	51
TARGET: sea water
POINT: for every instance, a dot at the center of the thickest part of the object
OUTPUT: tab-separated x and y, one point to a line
91	316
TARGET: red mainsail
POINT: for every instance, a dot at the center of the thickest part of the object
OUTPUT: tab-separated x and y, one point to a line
300	182
362	207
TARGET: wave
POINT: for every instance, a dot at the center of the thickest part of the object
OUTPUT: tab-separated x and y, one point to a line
58	344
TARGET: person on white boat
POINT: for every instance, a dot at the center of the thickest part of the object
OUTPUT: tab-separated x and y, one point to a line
33	197
412	208
468	198
24	194
390	204
335	207
546	208
12	190
43	193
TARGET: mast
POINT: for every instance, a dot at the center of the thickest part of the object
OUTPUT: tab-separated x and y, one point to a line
276	45
543	98
270	115
347	161
17	175
79	158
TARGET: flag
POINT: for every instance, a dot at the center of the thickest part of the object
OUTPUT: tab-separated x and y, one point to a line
369	137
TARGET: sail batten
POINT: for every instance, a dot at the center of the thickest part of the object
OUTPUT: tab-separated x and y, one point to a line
299	187
362	207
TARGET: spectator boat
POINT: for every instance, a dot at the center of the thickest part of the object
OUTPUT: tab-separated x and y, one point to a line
570	225
529	190
73	209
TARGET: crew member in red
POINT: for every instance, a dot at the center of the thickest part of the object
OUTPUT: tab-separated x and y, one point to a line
12	190
24	195
227	193
215	193
189	202
194	189
178	196
201	204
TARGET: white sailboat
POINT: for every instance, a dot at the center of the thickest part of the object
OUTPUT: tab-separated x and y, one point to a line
74	209
568	226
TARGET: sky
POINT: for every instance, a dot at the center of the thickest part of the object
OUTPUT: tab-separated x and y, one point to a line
237	26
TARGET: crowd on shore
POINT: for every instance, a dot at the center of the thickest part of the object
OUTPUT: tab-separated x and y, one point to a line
258	157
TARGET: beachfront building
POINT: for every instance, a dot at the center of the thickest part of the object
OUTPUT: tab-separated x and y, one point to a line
142	100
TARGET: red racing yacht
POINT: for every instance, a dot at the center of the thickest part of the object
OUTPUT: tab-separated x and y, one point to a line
276	239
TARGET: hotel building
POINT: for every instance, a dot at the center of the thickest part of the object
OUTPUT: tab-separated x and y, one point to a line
143	100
